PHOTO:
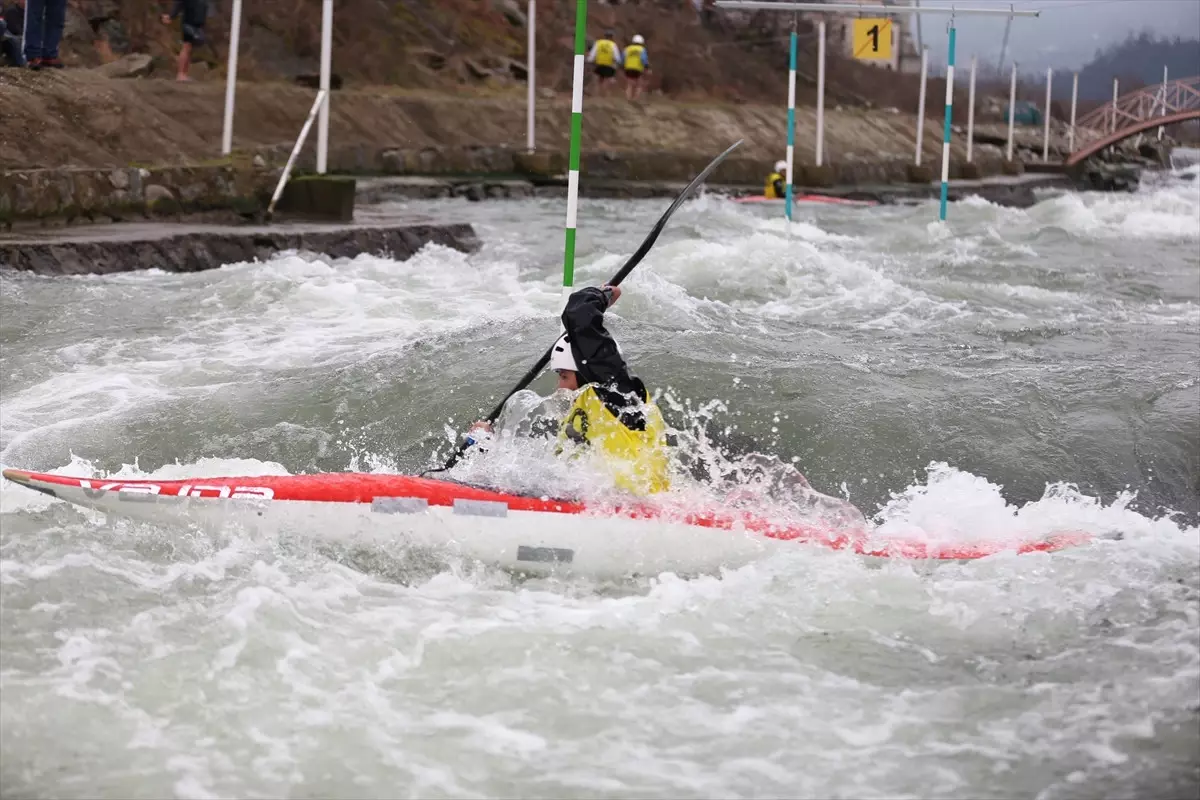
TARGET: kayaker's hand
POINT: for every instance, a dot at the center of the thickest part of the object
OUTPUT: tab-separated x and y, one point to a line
165	19
616	293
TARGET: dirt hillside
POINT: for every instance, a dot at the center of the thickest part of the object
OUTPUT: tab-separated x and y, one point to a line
80	118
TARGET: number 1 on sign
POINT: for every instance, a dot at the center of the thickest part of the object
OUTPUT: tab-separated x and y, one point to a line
873	39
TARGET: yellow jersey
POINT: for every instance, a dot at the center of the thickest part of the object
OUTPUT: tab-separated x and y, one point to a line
639	460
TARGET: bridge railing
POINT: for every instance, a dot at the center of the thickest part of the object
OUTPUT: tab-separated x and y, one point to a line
1136	107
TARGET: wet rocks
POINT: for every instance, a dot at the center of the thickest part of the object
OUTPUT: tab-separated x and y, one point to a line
181	249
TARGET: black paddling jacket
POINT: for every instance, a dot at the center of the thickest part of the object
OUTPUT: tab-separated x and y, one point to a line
599	361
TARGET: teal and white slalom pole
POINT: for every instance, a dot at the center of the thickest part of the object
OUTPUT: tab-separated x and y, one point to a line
791	140
946	128
576	136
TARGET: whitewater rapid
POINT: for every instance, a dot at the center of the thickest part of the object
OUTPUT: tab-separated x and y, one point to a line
1011	370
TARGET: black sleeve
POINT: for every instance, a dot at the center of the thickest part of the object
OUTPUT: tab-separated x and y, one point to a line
781	187
597	356
594	348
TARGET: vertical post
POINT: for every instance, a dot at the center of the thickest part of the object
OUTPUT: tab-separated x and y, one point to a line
1074	100
921	104
1112	126
530	67
821	92
791	119
949	116
1164	101
326	53
1012	110
1046	135
235	34
971	112
576	136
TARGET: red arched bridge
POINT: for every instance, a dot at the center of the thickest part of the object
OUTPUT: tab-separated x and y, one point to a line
1133	113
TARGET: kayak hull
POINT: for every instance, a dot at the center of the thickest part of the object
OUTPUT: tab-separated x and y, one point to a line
526	534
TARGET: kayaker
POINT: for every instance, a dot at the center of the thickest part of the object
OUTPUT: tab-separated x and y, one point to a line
612	414
776	188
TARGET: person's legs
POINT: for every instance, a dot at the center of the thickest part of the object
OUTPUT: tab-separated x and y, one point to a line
56	19
185	61
11	48
35	12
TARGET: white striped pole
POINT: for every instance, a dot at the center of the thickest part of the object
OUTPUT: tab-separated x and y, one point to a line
791	132
1046	135
821	92
576	136
971	112
235	35
326	55
946	126
921	103
531	80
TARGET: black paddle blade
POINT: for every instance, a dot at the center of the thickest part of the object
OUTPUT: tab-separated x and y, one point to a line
622	273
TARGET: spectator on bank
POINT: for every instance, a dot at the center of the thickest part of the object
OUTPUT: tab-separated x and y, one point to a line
606	55
44	22
637	63
12	25
194	13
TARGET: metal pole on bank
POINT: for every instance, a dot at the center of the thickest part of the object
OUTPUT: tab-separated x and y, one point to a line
235	35
576	136
946	126
1012	110
531	61
1074	99
1163	113
326	54
921	104
1113	123
1046	134
971	112
791	119
820	155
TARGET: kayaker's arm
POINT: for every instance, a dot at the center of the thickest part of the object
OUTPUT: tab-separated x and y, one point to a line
780	187
594	348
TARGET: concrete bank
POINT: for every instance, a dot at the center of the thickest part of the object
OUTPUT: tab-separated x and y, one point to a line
1016	191
172	247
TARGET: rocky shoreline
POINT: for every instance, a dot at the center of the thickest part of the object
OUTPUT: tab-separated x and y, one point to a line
192	248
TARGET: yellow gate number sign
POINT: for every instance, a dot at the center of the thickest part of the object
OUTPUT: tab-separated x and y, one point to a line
873	39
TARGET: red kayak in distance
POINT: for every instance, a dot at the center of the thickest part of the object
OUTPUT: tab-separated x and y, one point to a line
528	534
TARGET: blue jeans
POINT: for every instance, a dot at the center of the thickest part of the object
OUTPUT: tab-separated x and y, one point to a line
44	20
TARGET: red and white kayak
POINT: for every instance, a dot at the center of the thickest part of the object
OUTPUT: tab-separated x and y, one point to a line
806	198
526	534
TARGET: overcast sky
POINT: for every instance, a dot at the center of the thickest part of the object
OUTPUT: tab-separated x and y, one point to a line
1066	35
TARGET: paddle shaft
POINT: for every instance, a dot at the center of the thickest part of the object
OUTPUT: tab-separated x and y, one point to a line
621	275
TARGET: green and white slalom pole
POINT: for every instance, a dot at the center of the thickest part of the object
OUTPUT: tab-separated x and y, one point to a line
576	136
946	127
791	140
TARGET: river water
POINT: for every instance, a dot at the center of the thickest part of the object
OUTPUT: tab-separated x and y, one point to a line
1013	370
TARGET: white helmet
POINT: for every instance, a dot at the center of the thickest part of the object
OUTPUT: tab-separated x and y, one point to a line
781	166
637	39
561	357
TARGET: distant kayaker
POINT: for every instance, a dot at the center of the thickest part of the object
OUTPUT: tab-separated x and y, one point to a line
776	188
612	413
